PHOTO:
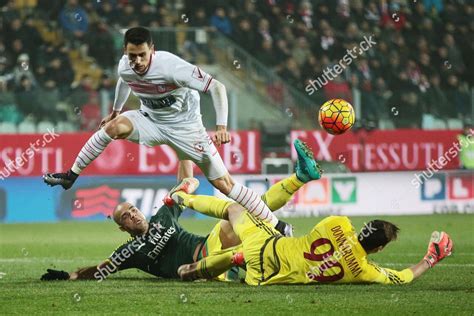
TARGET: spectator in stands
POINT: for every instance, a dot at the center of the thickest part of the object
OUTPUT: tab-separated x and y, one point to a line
148	15
75	22
265	54
409	111
8	109
23	31
198	18
128	16
17	48
301	52
48	9
282	50
10	12
27	100
459	97
90	114
221	22
49	97
101	45
327	40
109	12
291	73
197	42
263	32
245	36
106	90
6	54
436	100
22	69
433	4
60	71
83	93
5	73
382	95
454	54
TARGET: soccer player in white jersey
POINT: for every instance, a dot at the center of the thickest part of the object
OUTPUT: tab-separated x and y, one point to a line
167	87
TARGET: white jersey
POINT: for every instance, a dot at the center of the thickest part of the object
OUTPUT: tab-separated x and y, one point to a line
167	91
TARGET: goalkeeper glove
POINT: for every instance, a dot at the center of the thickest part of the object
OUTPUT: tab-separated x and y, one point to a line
440	246
52	275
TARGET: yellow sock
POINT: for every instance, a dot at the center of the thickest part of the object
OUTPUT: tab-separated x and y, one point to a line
208	205
281	192
214	265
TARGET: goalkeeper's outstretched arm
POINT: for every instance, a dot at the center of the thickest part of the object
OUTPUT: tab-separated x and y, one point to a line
86	273
439	247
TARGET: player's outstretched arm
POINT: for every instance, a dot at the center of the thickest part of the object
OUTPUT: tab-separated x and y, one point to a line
122	91
439	247
419	268
86	273
219	100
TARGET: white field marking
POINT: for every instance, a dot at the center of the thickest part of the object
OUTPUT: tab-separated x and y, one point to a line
446	265
419	254
47	259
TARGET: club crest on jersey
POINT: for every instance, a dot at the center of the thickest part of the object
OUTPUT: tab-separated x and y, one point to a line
198	74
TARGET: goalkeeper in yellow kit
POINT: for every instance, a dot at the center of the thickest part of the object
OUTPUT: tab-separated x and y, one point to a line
331	252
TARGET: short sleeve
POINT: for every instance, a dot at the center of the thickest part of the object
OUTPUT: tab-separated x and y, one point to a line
124	257
188	75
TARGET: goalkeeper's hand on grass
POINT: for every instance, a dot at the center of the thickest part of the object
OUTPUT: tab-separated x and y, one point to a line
440	246
53	275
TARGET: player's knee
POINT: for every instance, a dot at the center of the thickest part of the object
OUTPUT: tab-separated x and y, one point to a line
234	210
119	128
187	272
224	184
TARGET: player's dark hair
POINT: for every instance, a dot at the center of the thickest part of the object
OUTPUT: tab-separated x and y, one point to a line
377	233
137	36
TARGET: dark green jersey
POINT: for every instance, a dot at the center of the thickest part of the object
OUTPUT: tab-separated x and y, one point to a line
164	247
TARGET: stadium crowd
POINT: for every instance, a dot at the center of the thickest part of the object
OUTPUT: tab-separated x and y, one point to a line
58	57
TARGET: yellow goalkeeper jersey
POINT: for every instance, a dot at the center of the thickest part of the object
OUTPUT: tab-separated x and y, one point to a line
329	253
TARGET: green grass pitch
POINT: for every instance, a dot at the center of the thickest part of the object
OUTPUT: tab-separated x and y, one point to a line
27	250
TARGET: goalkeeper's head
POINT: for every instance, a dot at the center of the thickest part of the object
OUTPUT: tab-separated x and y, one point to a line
130	219
376	234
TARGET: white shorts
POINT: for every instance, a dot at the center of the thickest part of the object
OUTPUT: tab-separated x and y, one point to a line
190	142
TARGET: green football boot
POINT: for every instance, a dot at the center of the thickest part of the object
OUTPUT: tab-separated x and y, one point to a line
307	169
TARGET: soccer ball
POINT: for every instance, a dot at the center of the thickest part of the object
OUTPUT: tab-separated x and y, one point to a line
336	116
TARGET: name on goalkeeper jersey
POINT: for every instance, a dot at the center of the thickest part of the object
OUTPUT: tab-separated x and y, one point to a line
345	250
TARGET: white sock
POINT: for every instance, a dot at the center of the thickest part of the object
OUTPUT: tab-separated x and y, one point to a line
91	150
253	203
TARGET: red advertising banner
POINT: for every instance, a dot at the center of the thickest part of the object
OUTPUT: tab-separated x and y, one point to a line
36	154
389	150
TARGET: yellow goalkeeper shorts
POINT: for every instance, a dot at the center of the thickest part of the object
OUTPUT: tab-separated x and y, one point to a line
257	238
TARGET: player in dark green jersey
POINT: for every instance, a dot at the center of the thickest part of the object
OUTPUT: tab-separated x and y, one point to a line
158	246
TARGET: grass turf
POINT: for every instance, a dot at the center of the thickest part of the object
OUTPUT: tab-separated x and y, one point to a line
27	250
